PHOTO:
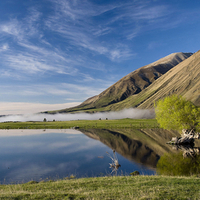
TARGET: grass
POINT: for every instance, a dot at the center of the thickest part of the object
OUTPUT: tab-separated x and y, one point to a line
112	187
101	124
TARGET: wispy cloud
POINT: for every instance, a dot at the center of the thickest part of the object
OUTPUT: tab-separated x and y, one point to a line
27	63
75	24
66	50
36	90
4	47
12	28
7	108
141	17
83	33
60	91
43	57
22	29
79	10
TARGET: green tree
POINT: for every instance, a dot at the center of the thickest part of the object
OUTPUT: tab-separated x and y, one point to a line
174	112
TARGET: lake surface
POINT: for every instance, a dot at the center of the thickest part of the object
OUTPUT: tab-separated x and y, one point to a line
27	155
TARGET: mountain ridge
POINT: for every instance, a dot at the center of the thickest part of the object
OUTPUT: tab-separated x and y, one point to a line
139	79
130	86
183	79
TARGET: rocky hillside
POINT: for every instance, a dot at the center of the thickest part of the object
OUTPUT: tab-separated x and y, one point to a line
129	86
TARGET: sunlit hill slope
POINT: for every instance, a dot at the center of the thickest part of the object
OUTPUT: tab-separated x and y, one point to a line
177	73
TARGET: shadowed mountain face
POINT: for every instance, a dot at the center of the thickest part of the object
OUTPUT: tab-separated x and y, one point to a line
132	84
183	79
142	146
136	81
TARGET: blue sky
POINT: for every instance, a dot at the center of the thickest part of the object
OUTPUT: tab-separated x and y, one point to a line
58	53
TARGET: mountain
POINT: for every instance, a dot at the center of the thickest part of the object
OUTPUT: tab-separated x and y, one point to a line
123	94
183	79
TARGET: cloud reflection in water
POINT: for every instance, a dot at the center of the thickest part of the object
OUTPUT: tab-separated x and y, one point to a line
53	154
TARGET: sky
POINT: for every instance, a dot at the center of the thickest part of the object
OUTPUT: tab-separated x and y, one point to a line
55	54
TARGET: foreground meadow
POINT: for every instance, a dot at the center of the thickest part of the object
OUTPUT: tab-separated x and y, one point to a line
111	187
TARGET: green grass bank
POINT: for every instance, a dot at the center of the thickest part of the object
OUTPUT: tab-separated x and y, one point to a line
85	124
120	187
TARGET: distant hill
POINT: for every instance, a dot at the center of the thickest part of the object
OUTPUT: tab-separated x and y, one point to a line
134	89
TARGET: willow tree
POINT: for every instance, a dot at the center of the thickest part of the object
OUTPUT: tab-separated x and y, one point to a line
175	112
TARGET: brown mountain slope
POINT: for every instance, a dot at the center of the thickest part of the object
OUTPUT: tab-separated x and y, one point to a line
132	84
136	81
183	79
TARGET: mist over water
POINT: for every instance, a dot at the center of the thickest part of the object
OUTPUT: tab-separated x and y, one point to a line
132	113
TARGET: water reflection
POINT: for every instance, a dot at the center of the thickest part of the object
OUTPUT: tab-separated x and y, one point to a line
26	156
38	154
141	146
184	162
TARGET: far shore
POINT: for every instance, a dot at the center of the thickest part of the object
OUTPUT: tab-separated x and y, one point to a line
84	124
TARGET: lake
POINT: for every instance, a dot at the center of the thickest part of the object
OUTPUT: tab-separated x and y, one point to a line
27	155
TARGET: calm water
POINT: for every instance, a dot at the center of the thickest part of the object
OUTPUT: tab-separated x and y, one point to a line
51	154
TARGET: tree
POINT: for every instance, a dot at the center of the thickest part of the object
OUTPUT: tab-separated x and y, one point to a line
175	112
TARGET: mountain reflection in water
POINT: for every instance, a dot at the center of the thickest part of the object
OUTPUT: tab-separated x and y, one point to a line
141	146
39	154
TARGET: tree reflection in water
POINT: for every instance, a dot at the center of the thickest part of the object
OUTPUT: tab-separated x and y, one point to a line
184	163
115	163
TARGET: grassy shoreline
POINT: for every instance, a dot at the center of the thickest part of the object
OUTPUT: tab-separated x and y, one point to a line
100	124
111	187
108	187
